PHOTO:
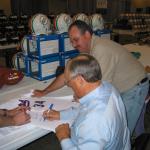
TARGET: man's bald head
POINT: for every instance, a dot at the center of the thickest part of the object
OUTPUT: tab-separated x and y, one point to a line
86	66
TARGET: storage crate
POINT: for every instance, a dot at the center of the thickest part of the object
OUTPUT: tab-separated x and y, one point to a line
64	42
22	63
68	55
42	46
45	68
105	33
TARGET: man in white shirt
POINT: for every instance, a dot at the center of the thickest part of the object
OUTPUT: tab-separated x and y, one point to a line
100	120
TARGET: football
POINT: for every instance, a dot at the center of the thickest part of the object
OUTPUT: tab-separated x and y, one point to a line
10	77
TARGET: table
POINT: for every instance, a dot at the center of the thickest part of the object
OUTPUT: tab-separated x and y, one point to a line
27	133
124	32
8	46
143	49
124	36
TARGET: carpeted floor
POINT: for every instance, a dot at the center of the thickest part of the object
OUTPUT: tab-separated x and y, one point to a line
48	142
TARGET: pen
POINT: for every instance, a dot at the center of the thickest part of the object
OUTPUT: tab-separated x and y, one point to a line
49	108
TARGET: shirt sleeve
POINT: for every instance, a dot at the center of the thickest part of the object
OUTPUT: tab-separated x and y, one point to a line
90	135
70	113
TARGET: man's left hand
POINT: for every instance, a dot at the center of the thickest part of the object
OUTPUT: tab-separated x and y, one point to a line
63	131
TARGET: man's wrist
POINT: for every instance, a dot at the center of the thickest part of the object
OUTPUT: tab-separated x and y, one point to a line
62	138
45	91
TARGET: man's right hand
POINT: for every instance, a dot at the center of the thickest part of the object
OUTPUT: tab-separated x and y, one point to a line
51	115
20	119
55	85
38	93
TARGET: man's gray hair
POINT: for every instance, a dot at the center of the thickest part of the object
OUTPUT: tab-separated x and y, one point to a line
86	66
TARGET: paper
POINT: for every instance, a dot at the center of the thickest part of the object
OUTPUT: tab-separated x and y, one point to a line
58	104
7	131
27	95
38	105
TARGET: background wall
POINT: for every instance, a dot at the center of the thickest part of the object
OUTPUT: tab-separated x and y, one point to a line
114	7
57	6
6	6
29	7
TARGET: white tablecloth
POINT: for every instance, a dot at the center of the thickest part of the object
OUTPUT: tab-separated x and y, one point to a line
27	133
144	50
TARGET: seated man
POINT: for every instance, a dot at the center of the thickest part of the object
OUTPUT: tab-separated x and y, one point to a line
14	117
100	120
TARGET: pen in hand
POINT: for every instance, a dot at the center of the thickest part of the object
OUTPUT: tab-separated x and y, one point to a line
49	108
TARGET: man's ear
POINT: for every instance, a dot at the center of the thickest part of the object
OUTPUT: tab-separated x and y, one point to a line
80	80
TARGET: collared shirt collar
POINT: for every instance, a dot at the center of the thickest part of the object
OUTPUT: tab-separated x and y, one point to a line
92	43
87	98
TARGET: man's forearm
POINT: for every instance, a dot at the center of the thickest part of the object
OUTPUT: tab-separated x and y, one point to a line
3	112
55	85
6	121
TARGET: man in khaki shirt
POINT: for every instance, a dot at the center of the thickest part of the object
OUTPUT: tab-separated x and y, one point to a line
117	65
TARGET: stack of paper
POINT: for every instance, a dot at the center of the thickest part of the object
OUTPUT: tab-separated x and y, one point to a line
38	105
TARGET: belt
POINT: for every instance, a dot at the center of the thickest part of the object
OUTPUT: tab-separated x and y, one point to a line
143	80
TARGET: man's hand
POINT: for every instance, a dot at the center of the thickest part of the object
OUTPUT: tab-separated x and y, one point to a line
17	110
63	131
147	68
38	93
51	115
20	119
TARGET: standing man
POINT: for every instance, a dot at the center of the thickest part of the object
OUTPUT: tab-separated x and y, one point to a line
100	121
118	67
